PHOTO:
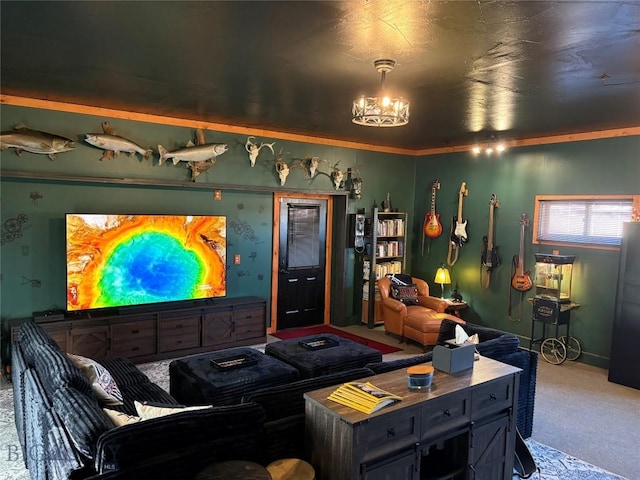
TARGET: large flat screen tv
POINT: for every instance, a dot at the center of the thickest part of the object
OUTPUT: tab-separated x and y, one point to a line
126	260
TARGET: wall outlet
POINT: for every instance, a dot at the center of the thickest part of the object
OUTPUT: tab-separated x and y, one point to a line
236	259
217	194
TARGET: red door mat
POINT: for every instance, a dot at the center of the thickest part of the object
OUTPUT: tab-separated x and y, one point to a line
302	332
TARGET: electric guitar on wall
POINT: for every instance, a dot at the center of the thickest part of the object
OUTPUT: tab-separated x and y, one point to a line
432	225
521	280
490	258
459	235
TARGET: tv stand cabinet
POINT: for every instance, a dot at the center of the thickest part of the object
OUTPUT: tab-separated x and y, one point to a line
462	428
165	333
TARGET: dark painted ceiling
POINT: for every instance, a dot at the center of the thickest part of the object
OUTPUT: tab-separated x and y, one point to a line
471	69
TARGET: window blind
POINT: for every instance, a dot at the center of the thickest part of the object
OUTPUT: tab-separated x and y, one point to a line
583	221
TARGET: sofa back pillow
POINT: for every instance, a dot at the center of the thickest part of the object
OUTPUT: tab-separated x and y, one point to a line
31	337
56	371
82	418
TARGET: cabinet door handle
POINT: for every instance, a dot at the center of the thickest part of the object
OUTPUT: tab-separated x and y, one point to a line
391	432
447	413
493	396
134	332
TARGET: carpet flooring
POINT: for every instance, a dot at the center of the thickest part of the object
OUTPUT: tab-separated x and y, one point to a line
320	329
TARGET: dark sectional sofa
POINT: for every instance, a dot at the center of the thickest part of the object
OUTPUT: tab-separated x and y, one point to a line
65	434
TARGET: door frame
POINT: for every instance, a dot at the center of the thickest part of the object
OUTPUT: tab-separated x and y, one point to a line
275	261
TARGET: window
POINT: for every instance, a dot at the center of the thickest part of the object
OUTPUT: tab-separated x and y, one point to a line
594	221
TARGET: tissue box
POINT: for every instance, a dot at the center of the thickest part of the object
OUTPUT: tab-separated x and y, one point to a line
452	358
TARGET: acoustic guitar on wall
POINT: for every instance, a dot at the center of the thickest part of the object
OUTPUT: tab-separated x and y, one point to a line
432	225
521	280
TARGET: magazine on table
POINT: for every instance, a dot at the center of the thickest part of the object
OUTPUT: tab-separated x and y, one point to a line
364	397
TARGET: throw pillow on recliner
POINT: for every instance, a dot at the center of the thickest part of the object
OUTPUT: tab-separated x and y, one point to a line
407	295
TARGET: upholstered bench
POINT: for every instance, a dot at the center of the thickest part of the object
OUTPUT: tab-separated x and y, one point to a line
224	376
321	354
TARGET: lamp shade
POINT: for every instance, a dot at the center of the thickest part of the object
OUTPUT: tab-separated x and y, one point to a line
442	276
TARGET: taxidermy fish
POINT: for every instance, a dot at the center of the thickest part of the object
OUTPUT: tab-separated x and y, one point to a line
112	144
23	139
193	153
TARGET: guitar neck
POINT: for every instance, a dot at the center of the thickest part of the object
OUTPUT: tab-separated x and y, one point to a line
433	201
521	256
490	236
460	207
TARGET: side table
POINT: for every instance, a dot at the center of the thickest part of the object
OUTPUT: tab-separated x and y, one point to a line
454	306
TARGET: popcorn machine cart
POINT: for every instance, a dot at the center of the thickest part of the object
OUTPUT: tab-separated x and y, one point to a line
552	305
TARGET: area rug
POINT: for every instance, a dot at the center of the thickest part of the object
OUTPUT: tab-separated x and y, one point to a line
556	465
302	332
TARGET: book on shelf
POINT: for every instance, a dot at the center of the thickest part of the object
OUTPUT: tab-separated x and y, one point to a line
364	397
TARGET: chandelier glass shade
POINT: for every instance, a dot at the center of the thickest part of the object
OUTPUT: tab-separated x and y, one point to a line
382	110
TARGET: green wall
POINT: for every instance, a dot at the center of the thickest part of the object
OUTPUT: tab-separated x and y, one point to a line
33	268
32	258
597	167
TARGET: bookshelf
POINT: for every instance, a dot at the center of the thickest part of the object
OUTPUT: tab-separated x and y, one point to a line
384	252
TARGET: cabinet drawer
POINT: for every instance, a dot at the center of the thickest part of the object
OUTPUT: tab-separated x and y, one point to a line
249	315
389	433
491	397
250	324
179	333
135	348
125	332
445	414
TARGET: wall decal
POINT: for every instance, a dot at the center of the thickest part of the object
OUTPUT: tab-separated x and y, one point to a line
34	282
244	273
253	256
35	196
12	228
244	230
241	206
260	277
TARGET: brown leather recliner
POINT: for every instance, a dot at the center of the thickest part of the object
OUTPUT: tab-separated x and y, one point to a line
421	322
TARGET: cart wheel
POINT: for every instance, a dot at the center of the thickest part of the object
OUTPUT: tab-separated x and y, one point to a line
573	348
553	351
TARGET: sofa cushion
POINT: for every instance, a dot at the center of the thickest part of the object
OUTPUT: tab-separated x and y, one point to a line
147	411
103	385
144	393
217	434
120	418
283	400
493	343
56	371
123	371
392	365
82	417
31	337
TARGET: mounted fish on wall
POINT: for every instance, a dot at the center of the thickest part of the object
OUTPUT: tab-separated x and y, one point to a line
196	155
253	150
24	139
112	144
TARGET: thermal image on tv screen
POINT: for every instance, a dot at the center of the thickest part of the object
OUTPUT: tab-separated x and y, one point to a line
118	260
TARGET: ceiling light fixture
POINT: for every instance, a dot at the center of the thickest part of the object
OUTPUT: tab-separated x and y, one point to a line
381	111
489	148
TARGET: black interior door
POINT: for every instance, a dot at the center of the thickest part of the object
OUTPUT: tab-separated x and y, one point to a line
301	277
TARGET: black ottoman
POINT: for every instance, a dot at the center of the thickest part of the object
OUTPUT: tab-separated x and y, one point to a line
196	381
336	355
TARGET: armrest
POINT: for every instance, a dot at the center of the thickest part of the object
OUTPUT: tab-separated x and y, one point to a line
395	305
434	303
